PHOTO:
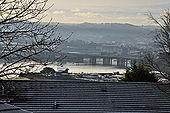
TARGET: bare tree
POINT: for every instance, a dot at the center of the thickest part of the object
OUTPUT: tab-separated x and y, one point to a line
24	38
160	60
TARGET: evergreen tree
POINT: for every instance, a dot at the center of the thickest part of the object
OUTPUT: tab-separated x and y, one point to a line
138	73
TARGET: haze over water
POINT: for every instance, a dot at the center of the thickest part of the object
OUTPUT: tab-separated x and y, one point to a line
78	68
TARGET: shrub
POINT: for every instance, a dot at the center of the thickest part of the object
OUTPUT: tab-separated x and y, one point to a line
139	73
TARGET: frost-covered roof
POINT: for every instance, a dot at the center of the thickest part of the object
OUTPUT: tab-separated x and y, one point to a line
91	97
7	108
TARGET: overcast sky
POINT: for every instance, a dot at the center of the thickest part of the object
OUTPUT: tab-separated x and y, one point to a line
105	11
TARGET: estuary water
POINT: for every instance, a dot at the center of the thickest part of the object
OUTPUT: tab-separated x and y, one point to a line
78	68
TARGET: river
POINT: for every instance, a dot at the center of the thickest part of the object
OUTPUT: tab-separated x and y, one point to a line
78	68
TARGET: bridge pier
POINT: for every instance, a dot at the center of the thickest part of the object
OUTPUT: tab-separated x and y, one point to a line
107	61
93	60
121	62
126	63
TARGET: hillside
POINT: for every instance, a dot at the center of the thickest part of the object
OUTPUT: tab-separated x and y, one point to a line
107	32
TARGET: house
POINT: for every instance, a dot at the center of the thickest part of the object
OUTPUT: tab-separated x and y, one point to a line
90	97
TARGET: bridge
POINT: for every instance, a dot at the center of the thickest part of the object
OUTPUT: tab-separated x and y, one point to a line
101	59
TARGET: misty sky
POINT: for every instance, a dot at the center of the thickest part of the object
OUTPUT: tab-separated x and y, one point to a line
105	11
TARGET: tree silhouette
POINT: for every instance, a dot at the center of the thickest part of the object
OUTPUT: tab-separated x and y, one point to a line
24	38
138	73
160	60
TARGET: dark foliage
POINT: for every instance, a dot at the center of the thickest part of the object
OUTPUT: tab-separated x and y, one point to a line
48	70
138	73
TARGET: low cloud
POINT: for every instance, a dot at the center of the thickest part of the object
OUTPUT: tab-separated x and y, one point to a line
59	12
123	18
87	14
75	10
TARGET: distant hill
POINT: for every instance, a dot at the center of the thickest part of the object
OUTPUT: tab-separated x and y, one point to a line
108	32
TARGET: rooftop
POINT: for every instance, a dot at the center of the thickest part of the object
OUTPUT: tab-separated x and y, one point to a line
7	108
91	97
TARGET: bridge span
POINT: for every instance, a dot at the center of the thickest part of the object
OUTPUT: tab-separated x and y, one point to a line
101	59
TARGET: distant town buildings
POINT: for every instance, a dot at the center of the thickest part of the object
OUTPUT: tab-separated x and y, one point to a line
112	48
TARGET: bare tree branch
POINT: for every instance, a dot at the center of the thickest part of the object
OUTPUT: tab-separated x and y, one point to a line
161	62
24	38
